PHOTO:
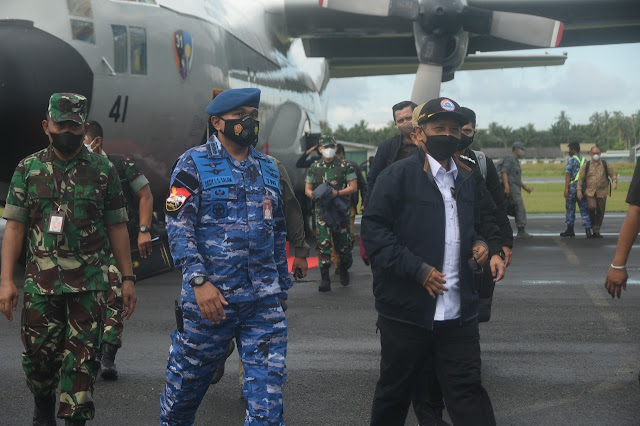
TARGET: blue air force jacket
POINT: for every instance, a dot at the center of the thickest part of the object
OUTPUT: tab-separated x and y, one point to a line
403	231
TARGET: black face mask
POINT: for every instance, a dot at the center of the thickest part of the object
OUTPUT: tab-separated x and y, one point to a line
441	147
67	142
243	131
465	141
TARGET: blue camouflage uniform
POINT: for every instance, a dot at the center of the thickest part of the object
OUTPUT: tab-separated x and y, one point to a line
573	167
228	224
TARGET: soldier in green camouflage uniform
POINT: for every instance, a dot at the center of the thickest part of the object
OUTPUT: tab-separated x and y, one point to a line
70	204
139	204
339	173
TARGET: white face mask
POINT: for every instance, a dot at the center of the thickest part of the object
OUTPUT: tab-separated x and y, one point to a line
88	145
595	157
329	153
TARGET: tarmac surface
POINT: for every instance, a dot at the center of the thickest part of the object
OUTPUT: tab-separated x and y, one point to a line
557	351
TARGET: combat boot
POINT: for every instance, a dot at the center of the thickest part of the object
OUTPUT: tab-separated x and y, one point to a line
344	275
69	422
325	280
44	412
588	232
523	235
220	370
568	232
108	369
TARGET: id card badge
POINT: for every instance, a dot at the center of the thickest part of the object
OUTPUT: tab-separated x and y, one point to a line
56	223
267	208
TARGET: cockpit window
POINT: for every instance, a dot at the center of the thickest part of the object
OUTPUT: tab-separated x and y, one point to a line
80	8
83	31
138	41
120	53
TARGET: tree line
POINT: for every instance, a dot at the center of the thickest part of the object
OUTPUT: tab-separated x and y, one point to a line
610	130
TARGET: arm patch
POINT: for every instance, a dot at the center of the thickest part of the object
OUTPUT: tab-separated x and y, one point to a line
187	181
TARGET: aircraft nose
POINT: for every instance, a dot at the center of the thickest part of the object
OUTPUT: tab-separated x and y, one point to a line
34	65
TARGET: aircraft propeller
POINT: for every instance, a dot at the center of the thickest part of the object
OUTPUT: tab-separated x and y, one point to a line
439	24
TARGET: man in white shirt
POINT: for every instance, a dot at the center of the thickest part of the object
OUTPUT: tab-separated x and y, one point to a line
419	232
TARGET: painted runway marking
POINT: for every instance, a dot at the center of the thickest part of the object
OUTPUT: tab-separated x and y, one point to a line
568	253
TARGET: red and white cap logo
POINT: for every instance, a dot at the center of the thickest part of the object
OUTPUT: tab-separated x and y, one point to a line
447	105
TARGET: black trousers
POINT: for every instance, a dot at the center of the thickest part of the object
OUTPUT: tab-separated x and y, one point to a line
409	353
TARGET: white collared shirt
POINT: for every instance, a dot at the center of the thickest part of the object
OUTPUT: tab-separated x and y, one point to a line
448	305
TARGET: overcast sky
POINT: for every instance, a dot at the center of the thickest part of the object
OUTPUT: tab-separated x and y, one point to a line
592	79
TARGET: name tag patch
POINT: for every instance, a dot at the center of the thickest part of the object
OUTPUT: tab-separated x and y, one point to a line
213	171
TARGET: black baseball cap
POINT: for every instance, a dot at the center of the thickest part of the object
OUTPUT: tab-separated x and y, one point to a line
441	107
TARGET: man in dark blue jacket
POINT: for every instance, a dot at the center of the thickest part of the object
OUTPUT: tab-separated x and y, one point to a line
419	232
396	148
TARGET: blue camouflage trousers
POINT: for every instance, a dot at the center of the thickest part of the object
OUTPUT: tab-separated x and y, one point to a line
194	356
570	214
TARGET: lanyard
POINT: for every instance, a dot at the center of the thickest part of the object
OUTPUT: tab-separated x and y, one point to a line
57	188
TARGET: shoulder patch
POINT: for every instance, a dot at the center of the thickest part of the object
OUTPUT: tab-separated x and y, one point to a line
176	199
186	180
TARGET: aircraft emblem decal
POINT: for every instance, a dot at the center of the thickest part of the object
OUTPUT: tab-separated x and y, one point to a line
183	51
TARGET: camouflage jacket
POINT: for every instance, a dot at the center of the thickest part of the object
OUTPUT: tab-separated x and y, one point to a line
87	189
338	172
225	222
132	180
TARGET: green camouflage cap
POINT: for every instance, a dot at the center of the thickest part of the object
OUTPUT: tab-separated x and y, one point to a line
68	107
326	140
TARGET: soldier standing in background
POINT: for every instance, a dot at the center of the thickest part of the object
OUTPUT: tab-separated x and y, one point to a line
70	204
140	212
342	179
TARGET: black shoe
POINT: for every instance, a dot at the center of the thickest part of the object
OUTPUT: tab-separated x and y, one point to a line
325	280
44	412
588	232
597	235
568	233
220	371
69	422
344	276
107	358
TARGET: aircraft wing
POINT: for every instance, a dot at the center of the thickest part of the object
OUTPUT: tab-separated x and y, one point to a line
334	34
367	67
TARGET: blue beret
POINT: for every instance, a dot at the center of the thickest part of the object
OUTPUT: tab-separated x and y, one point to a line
232	99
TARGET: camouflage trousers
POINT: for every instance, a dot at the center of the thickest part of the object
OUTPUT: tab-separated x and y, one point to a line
260	328
570	214
61	337
341	239
113	325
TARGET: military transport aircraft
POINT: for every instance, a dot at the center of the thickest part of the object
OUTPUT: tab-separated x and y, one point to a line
149	67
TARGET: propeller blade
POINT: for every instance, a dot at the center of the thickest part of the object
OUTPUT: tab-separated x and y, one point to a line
362	7
427	84
407	9
527	29
517	27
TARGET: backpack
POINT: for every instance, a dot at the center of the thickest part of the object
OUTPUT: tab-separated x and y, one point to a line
482	162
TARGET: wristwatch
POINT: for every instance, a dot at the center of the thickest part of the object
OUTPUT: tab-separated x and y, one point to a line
197	281
144	228
129	278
